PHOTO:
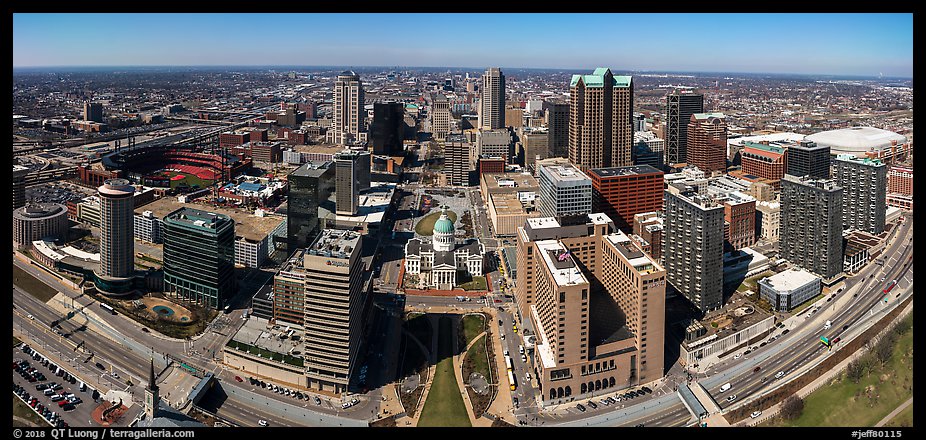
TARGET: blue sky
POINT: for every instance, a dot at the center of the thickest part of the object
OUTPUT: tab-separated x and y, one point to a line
838	44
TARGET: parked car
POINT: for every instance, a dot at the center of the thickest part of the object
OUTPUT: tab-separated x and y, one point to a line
580	407
755	414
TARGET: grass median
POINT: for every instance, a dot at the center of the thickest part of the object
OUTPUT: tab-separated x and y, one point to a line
444	406
32	285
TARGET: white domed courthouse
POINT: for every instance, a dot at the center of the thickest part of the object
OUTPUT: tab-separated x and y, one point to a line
437	262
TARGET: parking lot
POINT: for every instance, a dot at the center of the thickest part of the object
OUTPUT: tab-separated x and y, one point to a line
54	193
32	370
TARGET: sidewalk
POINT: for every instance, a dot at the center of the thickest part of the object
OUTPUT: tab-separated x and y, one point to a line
894	413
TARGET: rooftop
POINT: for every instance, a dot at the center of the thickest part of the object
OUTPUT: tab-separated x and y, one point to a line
521	181
559	262
626	171
312	168
639	260
335	243
706	116
198	218
247	225
564	173
596	79
856	140
789	280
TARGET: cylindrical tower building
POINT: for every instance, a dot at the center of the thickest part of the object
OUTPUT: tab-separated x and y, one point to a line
117	248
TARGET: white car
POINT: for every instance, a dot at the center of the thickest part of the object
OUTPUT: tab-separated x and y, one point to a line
779	374
755	414
263	423
731	398
114	374
738	355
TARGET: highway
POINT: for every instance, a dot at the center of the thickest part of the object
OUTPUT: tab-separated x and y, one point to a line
802	345
798	349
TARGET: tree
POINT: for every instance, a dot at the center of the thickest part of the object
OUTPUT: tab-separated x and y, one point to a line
884	349
854	371
792	407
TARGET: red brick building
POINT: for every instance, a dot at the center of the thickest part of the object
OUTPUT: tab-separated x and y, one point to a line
233	138
707	142
764	161
623	192
491	165
900	187
739	216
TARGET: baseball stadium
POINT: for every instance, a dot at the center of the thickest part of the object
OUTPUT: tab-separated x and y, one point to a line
172	167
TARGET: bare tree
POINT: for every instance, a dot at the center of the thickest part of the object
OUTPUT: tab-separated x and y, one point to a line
792	407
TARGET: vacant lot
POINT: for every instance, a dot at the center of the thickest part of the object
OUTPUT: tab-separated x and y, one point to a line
32	285
444	406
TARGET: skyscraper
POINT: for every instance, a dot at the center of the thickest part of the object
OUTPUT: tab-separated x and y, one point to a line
808	159
440	117
680	105
600	120
564	190
456	160
707	142
864	196
596	301
693	246
338	301
623	192
310	186
492	103
347	119
117	223
811	224
558	125
388	128
199	257
352	175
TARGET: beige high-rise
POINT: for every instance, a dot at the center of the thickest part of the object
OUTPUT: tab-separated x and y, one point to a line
598	305
440	117
347	119
117	226
492	104
600	120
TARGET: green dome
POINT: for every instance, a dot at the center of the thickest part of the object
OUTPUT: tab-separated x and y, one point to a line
443	225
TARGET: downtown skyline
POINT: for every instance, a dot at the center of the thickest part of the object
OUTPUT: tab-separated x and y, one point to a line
818	44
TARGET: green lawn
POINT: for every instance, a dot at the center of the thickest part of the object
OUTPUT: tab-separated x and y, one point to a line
846	404
425	226
902	419
32	285
477	354
444	406
280	357
478	283
472	326
750	283
22	410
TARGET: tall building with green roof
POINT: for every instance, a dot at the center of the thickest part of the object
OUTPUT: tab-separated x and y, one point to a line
199	256
600	120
